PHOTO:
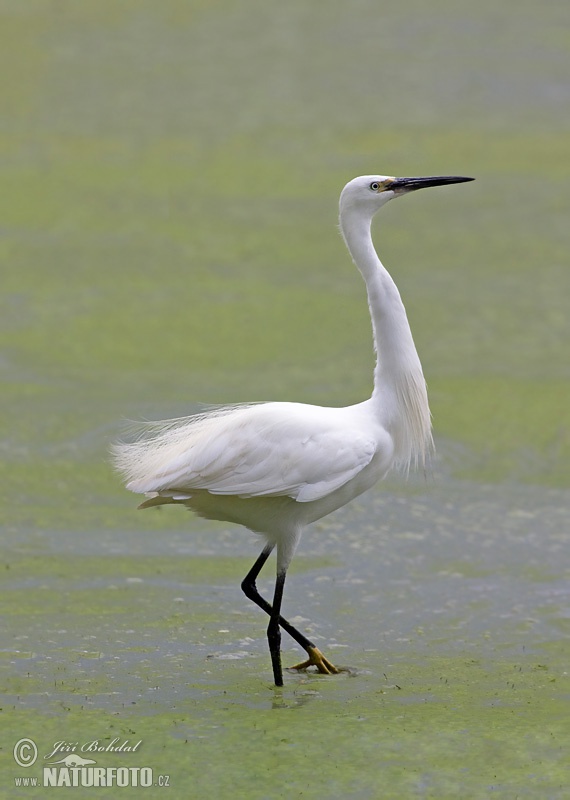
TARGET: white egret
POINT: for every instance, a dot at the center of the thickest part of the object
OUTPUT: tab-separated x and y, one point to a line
276	467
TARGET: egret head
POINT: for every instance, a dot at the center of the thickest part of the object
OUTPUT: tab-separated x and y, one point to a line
368	193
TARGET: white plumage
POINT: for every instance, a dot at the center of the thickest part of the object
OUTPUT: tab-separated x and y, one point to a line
276	467
260	450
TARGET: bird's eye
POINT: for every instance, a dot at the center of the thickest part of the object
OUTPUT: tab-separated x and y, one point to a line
374	186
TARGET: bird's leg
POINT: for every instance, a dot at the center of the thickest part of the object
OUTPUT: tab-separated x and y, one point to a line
249	588
316	658
248	584
274	630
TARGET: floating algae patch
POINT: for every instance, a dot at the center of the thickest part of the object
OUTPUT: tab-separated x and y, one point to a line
88	624
454	728
446	604
20	569
510	428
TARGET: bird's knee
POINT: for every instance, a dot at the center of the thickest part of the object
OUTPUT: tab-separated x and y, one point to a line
248	588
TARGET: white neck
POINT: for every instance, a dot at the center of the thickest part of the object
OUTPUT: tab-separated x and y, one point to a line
400	395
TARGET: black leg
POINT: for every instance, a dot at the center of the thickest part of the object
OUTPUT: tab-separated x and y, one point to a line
274	631
249	588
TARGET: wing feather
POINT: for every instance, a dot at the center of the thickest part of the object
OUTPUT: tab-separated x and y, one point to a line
273	449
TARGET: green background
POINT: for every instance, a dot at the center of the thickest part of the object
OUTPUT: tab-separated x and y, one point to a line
170	174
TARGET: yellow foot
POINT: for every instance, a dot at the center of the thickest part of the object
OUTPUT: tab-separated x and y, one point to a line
317	659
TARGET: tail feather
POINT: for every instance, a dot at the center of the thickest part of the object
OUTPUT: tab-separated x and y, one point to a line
157	500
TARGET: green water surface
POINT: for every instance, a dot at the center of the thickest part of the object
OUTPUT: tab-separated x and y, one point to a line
170	174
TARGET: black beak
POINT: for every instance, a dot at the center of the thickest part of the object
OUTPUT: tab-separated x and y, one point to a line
412	184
